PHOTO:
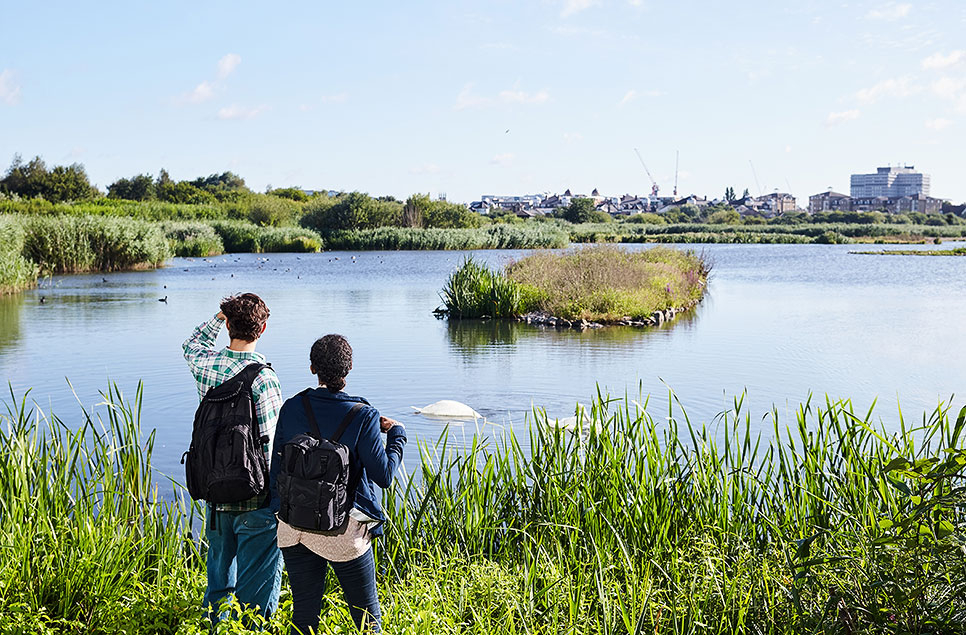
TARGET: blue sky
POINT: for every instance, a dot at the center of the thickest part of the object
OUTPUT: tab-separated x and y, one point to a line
494	97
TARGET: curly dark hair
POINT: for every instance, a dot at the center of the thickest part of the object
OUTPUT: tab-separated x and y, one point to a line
246	314
331	359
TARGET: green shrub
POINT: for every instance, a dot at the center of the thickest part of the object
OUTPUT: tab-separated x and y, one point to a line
648	218
192	239
244	237
490	237
73	244
474	291
16	272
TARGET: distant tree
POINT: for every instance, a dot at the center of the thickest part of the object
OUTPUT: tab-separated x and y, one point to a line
293	193
163	179
730	195
745	194
183	192
138	188
33	179
412	213
450	215
580	210
726	216
226	186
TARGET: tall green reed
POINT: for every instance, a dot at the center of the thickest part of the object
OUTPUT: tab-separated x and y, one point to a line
88	543
641	524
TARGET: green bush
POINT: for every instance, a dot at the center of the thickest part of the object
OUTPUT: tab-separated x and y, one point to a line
193	239
490	237
244	237
474	291
73	244
649	218
16	272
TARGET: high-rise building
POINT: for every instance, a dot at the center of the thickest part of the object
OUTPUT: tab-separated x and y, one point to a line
891	183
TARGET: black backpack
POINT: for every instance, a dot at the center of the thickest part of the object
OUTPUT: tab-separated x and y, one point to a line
314	483
225	462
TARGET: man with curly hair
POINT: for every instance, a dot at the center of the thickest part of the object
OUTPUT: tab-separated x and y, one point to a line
243	558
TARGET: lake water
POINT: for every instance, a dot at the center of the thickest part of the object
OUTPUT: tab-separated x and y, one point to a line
779	321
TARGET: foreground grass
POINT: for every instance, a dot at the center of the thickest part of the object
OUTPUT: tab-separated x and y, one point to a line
601	284
636	522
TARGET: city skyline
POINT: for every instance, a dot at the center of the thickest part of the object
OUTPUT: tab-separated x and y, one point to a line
467	98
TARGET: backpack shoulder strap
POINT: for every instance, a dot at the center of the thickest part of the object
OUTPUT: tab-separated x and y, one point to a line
349	416
310	414
250	372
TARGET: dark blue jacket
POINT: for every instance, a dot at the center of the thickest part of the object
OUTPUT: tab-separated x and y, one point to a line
366	450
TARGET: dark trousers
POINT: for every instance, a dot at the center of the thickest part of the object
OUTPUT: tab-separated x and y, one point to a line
306	574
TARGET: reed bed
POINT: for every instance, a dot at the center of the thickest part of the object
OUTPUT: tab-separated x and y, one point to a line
492	237
631	520
16	272
242	236
193	239
771	233
603	284
831	523
87	544
75	244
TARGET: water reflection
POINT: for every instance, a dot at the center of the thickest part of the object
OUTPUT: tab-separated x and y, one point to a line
10	307
470	337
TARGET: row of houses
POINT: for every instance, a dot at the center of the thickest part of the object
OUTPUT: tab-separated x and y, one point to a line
530	205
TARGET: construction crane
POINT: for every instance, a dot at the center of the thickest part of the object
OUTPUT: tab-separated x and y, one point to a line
677	161
654	187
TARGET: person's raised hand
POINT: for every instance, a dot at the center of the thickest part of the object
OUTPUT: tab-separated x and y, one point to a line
385	423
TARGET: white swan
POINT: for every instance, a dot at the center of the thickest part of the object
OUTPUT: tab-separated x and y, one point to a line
448	409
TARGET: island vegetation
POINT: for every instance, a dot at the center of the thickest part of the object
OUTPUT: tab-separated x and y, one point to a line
143	220
600	284
957	251
633	521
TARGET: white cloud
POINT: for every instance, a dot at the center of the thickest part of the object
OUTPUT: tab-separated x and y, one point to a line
938	124
335	99
940	61
467	99
9	87
835	118
502	159
572	7
227	64
426	168
202	92
949	87
570	137
891	11
628	97
788	149
523	97
240	112
898	87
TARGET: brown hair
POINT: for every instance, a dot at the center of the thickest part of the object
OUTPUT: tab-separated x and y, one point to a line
246	314
331	358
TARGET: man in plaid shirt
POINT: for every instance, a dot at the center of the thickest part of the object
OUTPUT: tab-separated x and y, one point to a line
243	557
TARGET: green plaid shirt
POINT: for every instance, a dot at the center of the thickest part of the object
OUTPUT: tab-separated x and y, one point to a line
212	367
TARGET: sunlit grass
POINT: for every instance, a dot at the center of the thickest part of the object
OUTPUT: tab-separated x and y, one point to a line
635	520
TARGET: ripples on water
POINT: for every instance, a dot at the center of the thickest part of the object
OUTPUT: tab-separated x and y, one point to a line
780	321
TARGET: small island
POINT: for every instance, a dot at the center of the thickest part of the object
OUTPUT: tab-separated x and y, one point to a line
958	251
580	288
